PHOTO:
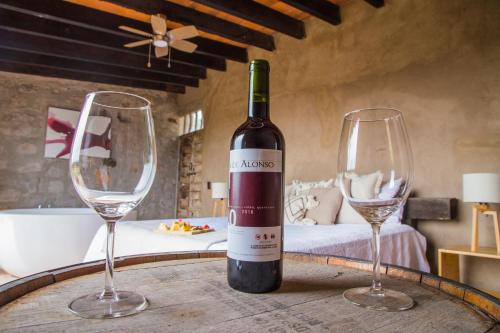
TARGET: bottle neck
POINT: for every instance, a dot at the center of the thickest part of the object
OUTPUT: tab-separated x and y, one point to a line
258	111
258	95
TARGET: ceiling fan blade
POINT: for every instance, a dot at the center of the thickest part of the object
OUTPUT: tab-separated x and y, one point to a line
161	51
159	24
183	45
135	31
183	33
138	43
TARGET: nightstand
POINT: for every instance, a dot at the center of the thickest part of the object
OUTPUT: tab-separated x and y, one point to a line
449	261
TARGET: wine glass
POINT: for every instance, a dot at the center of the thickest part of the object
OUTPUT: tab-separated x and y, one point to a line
112	166
375	175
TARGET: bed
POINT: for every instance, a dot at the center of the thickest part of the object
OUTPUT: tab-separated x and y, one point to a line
401	244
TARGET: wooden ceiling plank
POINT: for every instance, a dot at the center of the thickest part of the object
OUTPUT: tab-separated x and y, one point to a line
376	3
18	67
87	37
223	15
207	56
65	63
259	14
202	21
16	40
285	9
321	9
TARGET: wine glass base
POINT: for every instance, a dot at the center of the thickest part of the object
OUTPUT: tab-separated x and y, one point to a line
124	303
390	300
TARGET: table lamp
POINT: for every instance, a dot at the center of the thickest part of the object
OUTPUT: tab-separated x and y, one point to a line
482	189
220	193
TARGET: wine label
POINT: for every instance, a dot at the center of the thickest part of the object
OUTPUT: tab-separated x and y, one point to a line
254	244
255	205
255	160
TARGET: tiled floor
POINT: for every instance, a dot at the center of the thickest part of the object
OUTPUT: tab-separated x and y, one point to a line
4	277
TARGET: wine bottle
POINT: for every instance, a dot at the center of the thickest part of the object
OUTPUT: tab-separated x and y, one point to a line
255	231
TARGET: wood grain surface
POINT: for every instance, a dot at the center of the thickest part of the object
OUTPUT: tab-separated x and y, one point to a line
191	295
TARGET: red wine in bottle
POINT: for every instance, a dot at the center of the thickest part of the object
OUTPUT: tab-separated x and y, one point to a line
255	231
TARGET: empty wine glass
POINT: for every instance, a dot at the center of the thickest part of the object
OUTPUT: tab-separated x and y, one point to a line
112	166
375	174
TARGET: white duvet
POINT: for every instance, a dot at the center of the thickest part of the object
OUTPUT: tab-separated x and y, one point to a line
400	244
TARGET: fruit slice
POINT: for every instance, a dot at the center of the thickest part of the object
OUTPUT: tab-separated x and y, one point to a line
163	227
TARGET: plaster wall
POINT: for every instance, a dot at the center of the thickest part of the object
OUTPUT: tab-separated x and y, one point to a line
27	179
436	60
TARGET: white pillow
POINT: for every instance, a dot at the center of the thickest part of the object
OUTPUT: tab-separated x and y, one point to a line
347	215
367	186
388	190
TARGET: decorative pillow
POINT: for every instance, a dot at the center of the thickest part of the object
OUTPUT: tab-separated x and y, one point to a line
347	215
296	208
298	200
330	200
299	187
367	186
306	221
389	190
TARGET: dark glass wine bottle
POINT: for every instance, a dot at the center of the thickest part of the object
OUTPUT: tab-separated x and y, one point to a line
255	232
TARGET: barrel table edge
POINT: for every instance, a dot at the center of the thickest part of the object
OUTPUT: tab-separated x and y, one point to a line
14	289
482	301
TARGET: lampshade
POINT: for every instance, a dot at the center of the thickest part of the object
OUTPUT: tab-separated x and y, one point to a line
219	190
481	187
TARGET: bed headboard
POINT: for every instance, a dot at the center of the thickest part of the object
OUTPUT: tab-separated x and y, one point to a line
438	209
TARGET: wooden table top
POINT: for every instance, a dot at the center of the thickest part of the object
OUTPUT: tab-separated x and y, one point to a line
191	294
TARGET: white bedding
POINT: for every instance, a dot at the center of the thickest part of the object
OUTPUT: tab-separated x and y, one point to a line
400	244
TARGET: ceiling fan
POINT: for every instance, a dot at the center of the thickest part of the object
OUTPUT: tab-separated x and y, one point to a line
163	40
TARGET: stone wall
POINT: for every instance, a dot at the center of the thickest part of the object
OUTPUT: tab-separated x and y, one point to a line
190	170
27	179
436	60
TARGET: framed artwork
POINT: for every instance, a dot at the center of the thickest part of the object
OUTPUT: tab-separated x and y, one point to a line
61	128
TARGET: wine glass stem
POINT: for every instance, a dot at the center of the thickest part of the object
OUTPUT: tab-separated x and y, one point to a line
376	284
109	289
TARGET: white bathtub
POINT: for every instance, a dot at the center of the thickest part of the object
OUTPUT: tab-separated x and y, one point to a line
35	240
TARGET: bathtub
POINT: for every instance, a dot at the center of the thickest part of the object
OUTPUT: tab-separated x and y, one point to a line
35	240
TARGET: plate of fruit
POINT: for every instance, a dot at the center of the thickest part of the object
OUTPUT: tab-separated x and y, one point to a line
184	228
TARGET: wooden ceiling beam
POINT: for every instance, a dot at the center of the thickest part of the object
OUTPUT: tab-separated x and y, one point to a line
322	9
86	37
24	68
202	21
11	55
259	14
376	3
207	54
15	40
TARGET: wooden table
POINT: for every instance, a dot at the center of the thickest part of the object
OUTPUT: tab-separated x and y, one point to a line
188	293
449	261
